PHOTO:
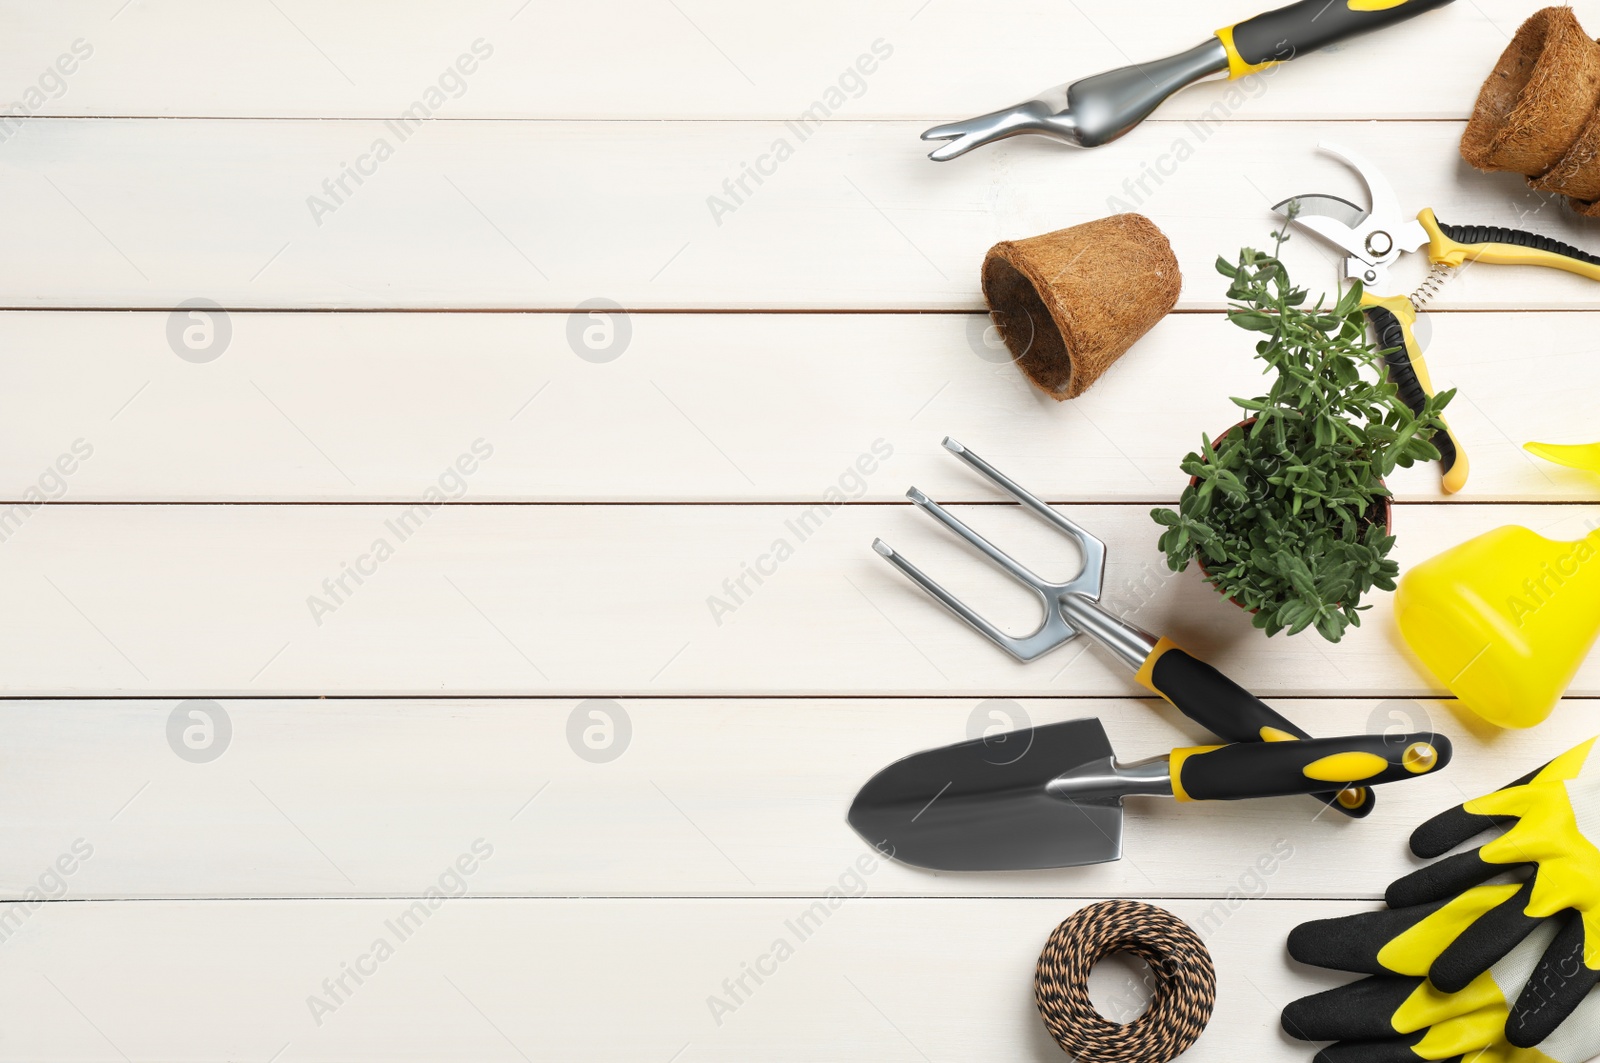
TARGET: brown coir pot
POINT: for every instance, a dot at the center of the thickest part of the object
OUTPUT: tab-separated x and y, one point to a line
1538	103
1069	303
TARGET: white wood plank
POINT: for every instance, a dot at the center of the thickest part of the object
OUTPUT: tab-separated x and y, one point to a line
583	600
335	798
717	407
363	58
146	213
613	980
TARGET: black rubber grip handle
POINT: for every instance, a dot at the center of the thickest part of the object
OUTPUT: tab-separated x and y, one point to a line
1397	356
1276	36
1231	712
1495	234
1275	769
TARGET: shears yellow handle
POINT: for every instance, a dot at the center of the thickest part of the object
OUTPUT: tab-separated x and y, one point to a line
1393	319
1452	245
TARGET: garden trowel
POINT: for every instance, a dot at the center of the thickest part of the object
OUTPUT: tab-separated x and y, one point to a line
1052	796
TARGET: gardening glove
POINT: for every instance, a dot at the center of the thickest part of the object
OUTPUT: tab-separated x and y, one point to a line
1552	821
1398	1016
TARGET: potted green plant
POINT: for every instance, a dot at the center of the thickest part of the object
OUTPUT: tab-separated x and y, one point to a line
1287	513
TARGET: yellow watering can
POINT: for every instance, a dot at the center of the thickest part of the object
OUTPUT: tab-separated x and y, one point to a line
1504	620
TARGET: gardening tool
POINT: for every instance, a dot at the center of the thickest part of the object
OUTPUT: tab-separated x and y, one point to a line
976	806
1097	110
1376	237
1071	608
1504	620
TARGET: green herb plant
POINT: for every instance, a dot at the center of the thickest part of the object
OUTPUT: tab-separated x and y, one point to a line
1286	515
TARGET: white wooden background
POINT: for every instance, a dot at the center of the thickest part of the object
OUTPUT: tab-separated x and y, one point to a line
431	710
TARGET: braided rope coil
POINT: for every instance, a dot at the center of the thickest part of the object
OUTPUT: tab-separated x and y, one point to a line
1184	991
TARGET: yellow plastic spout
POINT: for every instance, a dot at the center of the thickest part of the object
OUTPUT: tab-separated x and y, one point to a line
1504	620
1584	456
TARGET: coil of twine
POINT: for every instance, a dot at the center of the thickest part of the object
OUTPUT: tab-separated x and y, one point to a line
1184	990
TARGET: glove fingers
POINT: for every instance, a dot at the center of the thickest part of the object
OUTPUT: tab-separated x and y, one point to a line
1394	1050
1361	1011
1559	983
1352	942
1441	880
1450	828
1483	943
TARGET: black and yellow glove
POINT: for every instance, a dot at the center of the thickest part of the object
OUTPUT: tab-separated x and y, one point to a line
1552	820
1398	1016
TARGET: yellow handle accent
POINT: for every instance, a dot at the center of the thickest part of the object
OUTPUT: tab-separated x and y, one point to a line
1345	767
1406	314
1375	5
1272	734
1353	796
1442	249
1175	768
1144	677
1237	67
1419	757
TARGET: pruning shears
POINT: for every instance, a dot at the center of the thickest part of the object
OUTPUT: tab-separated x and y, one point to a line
1374	238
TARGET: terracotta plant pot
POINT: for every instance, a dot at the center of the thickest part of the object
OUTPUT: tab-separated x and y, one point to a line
1384	505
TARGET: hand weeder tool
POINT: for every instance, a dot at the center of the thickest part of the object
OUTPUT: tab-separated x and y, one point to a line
1097	110
1375	238
1059	803
1072	608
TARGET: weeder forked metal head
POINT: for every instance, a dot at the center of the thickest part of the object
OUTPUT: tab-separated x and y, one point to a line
1044	117
1054	629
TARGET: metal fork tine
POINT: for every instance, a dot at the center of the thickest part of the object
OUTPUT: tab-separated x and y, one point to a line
1050	634
1093	547
993	553
948	600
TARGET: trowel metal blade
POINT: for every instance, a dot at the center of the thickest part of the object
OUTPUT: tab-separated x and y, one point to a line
984	805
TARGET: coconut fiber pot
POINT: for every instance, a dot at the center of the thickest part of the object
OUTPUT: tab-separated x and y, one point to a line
1070	303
